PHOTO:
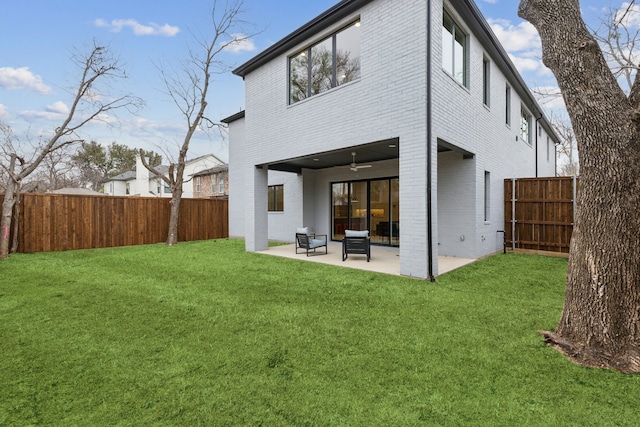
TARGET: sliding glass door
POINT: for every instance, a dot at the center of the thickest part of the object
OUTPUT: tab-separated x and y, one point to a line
372	205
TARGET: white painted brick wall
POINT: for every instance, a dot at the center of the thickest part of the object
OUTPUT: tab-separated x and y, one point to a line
388	101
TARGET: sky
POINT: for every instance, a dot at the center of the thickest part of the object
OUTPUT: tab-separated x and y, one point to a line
38	38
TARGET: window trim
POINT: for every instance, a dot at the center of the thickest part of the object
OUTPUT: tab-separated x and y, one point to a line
273	207
526	115
465	52
486	82
487	196
508	105
308	53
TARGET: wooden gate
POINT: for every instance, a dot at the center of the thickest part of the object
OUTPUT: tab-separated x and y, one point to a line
539	213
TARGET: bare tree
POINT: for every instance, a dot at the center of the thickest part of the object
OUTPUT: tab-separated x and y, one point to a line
189	89
96	66
618	36
566	149
600	322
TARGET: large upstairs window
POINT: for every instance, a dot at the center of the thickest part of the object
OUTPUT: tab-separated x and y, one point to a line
454	49
325	65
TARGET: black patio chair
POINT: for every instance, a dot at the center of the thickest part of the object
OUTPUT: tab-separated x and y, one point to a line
356	242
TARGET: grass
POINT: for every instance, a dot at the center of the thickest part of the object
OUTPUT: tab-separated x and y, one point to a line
205	334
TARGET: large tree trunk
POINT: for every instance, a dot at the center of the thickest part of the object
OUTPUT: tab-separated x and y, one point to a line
5	219
600	323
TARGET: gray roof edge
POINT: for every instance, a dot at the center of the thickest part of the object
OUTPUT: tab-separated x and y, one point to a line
319	23
233	118
486	35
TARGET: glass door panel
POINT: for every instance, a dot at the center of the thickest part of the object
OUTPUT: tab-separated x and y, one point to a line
395	212
340	207
359	206
380	213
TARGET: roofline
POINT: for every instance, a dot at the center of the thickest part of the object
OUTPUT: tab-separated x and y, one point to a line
467	8
233	118
488	39
316	25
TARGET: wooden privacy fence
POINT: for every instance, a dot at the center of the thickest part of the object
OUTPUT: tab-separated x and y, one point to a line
538	213
57	222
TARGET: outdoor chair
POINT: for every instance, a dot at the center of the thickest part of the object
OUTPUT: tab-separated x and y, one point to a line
356	242
310	242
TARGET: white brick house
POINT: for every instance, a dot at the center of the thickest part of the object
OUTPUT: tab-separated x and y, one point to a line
142	183
425	96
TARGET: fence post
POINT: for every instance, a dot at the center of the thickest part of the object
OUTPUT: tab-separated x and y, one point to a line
575	198
513	214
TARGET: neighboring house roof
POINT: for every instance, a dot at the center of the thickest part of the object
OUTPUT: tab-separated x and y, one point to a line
126	176
233	117
467	9
77	191
217	169
202	157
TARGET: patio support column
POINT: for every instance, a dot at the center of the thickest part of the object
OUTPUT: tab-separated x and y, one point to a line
257	219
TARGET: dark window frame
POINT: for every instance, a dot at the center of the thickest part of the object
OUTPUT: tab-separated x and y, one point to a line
275	203
307	52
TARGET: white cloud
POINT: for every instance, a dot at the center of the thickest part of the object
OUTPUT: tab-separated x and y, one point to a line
58	107
491	1
240	43
22	78
628	15
3	111
152	29
522	43
516	38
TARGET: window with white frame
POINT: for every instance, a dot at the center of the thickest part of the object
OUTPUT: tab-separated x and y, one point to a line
454	49
197	184
221	184
329	63
525	125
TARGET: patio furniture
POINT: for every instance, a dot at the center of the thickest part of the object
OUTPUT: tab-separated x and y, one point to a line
310	242
356	242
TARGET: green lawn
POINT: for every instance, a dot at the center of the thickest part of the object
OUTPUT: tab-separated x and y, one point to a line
205	334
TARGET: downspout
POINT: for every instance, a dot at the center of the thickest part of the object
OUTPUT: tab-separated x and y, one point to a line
431	277
536	131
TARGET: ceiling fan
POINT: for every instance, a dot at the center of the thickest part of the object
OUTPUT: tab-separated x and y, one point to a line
354	166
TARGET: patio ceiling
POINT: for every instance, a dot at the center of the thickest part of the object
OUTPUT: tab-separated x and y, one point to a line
373	152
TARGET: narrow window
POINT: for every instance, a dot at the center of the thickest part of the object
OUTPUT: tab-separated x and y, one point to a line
454	49
525	125
276	198
507	111
197	184
128	190
221	184
487	196
486	79
548	148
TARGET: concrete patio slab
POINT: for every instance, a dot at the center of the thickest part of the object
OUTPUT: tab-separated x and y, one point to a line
383	259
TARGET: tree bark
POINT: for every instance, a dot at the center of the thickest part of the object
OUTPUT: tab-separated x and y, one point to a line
600	323
5	219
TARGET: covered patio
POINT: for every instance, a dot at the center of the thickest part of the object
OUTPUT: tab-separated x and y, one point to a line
383	259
